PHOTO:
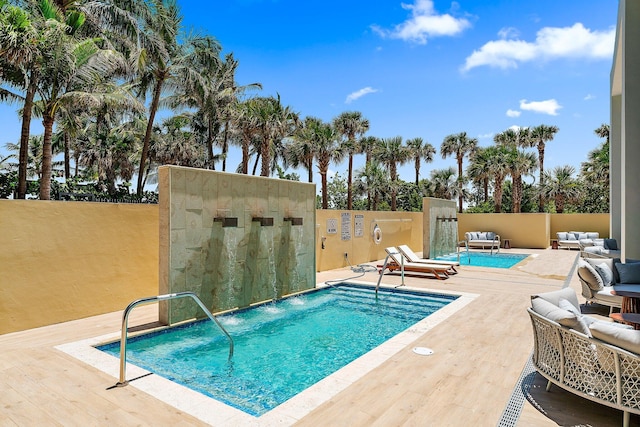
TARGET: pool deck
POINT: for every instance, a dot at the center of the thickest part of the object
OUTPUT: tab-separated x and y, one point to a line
473	378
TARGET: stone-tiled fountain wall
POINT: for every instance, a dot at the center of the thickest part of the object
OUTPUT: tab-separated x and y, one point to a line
440	227
232	239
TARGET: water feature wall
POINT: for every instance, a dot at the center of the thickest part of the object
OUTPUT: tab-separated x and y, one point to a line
232	239
440	227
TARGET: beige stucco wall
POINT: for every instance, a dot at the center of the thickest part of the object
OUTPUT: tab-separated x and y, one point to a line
532	230
526	230
234	266
398	228
580	222
61	261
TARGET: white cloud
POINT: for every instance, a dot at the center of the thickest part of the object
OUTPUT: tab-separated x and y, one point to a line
508	33
359	94
486	136
551	43
513	113
550	106
589	97
424	23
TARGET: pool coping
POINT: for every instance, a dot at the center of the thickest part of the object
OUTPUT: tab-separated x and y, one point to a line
212	411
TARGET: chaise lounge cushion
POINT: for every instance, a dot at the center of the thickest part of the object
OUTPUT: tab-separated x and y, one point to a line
605	273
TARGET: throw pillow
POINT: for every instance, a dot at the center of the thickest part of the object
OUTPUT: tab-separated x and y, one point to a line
566	305
605	273
629	273
559	315
561	235
611	244
583	236
571	236
589	274
628	339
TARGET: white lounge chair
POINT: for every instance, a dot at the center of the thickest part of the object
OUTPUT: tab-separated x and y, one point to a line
439	271
413	257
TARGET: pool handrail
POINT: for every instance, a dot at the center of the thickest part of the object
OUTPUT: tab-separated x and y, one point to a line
125	320
384	267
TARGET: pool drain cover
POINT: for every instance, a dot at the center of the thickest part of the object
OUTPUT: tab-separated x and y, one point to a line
423	351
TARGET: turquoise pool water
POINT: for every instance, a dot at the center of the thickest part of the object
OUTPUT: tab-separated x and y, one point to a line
281	348
486	259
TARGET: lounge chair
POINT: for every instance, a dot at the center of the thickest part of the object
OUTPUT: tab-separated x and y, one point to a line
411	256
396	263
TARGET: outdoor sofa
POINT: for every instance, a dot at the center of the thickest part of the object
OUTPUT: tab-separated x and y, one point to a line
595	359
572	239
607	248
600	276
482	239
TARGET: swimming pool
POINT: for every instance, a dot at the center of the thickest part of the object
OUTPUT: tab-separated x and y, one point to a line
486	259
282	348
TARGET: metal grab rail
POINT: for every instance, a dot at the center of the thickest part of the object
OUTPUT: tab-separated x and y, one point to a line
384	267
466	246
148	300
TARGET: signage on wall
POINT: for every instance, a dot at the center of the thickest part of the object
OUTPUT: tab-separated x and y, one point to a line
345	226
332	226
358	225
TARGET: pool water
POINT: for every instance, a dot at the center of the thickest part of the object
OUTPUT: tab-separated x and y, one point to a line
281	348
486	259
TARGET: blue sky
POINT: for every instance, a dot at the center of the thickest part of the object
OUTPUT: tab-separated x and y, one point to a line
423	68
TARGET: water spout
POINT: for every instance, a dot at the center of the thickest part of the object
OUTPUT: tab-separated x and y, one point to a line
294	221
264	222
227	222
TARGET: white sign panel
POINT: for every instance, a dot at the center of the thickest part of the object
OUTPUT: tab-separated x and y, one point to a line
345	226
358	225
332	226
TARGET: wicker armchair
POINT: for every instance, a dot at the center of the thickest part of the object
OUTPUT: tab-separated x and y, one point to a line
586	366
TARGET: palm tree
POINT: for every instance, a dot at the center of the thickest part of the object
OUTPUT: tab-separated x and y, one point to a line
367	146
69	67
245	125
420	150
497	167
442	183
350	124
22	44
274	122
391	152
459	145
373	180
540	135
165	63
561	186
301	151
327	151
519	163
478	170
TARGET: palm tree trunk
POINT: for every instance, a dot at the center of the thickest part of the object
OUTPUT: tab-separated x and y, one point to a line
255	164
349	194
417	164
245	157
485	184
460	199
23	157
45	179
225	146
266	157
67	157
541	161
310	168
325	199
153	108
497	195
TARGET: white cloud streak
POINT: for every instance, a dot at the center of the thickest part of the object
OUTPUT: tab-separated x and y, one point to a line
359	94
513	113
550	106
576	42
424	23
